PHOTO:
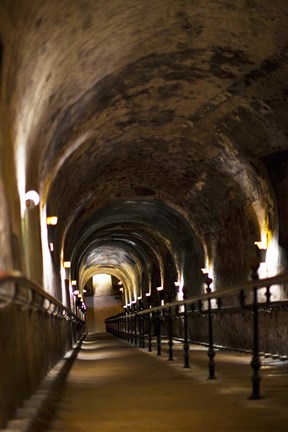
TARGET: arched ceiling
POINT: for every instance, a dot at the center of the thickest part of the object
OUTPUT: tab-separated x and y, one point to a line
143	234
169	102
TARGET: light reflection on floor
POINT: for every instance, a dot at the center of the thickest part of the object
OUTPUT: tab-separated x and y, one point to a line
102	355
111	378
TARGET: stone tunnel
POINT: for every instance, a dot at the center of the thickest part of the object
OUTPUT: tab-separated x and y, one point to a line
144	163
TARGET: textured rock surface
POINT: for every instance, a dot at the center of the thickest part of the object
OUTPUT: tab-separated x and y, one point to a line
155	131
173	101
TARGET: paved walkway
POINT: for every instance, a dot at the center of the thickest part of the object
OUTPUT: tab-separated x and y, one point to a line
116	387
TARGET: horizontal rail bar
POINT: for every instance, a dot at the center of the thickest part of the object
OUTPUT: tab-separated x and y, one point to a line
18	278
247	286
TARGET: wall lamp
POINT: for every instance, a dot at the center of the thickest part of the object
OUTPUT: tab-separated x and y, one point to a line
161	294
148	297
32	199
261	251
206	279
52	220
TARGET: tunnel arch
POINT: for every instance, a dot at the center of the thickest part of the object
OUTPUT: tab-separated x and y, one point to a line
170	235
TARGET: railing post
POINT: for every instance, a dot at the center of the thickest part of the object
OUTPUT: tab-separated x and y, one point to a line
158	321
125	326
143	329
135	327
149	332
170	335
186	339
211	351
128	328
140	330
131	328
141	326
118	331
255	362
149	317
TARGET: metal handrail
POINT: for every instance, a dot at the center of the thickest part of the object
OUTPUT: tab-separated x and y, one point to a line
214	295
45	302
130	325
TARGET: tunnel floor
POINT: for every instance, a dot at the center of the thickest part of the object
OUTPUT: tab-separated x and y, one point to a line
115	386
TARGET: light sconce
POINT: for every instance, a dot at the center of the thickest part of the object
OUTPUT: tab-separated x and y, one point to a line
261	250
67	264
149	299
121	290
206	279
161	294
51	246
73	282
32	199
52	220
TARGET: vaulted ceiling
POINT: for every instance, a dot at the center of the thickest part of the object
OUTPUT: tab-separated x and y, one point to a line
150	122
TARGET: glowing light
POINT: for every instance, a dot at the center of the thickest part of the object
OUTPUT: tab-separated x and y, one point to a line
204	270
260	244
52	220
120	283
148	294
121	289
73	282
67	264
51	247
76	292
160	288
102	278
177	284
139	297
32	199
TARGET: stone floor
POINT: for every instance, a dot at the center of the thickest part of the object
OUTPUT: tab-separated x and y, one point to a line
114	386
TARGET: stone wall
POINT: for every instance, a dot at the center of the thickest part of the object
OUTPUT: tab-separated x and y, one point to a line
235	330
31	344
